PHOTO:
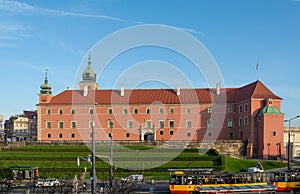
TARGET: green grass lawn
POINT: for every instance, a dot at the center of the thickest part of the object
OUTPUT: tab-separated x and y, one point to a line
61	161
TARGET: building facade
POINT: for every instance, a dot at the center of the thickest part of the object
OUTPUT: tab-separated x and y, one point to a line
294	140
1	122
250	114
22	127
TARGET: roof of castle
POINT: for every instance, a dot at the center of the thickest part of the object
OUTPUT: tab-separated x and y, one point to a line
255	90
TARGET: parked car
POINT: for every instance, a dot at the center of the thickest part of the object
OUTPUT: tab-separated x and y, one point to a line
51	182
135	178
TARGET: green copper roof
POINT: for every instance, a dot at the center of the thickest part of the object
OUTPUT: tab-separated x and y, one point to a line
46	87
269	109
89	75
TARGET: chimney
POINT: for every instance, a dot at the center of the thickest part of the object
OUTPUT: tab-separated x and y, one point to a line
218	88
85	90
178	89
122	91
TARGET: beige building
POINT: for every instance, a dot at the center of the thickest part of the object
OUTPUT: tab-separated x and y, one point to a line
294	139
1	122
22	127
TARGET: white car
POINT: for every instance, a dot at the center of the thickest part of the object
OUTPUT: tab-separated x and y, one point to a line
136	178
51	182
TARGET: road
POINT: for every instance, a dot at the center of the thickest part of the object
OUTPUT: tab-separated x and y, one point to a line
159	187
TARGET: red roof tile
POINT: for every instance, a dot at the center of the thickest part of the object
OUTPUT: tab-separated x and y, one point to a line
165	96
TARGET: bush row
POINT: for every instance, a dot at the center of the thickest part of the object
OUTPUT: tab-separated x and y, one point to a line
51	158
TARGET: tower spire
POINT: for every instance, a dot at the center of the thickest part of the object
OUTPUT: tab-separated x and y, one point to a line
89	58
46	87
89	76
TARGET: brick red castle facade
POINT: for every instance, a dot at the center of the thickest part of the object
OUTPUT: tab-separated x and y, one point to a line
251	114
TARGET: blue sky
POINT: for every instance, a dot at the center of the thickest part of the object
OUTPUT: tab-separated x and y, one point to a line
36	35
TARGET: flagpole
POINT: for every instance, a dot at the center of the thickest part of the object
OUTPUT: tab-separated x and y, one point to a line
257	71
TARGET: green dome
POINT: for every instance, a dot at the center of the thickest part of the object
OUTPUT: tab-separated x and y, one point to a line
45	87
269	109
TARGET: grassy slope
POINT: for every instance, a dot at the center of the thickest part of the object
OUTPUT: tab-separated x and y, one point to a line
64	157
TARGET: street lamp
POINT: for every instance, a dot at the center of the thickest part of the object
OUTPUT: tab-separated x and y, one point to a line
93	178
289	140
111	154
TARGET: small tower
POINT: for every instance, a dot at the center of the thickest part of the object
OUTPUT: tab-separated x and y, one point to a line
45	92
88	77
270	127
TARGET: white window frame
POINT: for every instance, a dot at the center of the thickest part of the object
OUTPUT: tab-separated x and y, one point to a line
230	123
188	124
148	124
188	110
210	123
129	124
159	124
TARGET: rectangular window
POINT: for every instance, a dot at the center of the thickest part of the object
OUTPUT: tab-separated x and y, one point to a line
209	134
229	123
61	124
91	111
91	124
60	135
49	135
171	124
246	122
161	132
48	111
110	111
148	111
209	109
136	111
148	124
245	107
73	112
241	108
110	135
73	124
209	123
171	132
231	134
48	124
188	110
125	111
127	135
273	133
72	135
60	111
229	108
171	110
188	134
161	124
129	124
110	124
161	110
188	124
241	122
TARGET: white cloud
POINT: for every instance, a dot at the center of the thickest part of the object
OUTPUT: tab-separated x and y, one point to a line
24	8
8	45
11	32
193	31
14	6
